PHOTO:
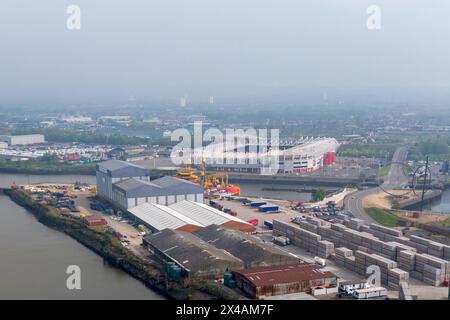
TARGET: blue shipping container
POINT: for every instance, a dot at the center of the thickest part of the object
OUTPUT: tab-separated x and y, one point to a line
268	224
257	204
269	208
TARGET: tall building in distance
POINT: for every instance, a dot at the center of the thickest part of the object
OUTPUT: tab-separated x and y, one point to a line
211	100
183	101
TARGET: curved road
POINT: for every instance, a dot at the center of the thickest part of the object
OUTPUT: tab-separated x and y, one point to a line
395	178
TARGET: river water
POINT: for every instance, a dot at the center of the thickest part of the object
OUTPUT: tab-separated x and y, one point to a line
275	191
441	205
34	258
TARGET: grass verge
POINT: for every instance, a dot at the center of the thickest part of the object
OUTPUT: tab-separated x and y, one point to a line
383	217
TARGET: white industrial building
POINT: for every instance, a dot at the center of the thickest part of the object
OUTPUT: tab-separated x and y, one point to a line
186	216
158	217
23	139
113	171
128	185
166	190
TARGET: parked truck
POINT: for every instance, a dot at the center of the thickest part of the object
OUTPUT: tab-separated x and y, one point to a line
347	288
281	240
368	293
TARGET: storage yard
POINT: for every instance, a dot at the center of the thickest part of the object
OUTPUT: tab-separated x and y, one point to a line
356	246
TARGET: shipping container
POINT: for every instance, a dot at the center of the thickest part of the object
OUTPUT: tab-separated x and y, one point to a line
269	208
256	204
268	224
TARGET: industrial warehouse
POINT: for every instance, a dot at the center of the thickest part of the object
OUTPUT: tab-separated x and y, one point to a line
251	250
186	215
215	257
27	139
128	185
195	258
269	281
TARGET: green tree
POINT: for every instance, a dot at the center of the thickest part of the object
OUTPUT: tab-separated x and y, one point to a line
319	195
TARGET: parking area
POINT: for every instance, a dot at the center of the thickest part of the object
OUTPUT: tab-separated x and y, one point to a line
248	213
131	234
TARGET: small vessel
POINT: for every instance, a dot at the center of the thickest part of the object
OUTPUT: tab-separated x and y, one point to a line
189	174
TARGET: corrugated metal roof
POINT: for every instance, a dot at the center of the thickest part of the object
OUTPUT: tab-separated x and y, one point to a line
203	213
267	276
168	181
175	185
161	217
160	187
194	254
133	184
119	169
252	250
117	164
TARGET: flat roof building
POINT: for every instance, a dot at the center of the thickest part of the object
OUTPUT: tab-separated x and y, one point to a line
196	258
251	250
23	139
286	279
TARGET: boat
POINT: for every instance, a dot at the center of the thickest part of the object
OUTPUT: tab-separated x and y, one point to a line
189	174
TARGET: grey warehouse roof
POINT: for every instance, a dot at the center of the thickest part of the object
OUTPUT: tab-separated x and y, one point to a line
195	255
120	169
136	188
248	248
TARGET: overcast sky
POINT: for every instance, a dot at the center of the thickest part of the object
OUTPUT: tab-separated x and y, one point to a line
167	48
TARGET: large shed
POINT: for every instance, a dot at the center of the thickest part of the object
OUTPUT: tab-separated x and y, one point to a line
114	171
166	190
270	281
207	215
158	217
196	258
250	249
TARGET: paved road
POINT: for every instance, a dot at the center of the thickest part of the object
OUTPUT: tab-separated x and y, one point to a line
394	179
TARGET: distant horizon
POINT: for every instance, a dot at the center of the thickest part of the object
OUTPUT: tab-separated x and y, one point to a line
239	52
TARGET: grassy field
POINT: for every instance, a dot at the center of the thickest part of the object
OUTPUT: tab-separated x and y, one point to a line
45	167
383	172
445	223
384	217
383	150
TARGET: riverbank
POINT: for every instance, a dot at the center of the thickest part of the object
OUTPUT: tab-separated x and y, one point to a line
110	249
49	170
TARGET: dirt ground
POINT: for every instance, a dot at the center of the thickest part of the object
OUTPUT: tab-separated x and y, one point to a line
83	204
381	200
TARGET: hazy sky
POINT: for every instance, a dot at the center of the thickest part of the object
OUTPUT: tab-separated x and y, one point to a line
167	48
